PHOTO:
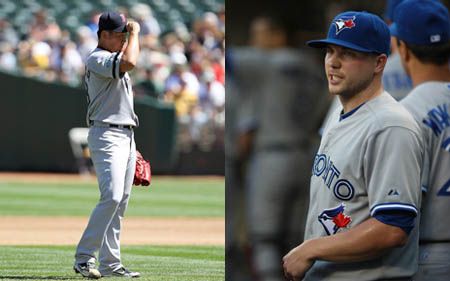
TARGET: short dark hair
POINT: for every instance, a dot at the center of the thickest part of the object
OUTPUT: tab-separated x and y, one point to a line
438	54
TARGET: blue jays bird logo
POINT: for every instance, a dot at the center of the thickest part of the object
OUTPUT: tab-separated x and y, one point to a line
343	23
333	219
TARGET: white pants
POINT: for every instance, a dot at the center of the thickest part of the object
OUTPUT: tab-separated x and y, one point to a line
113	153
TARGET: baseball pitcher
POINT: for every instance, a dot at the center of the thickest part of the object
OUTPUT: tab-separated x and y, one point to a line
111	119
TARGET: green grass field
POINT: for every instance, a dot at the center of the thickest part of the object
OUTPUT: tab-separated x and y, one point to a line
167	197
155	263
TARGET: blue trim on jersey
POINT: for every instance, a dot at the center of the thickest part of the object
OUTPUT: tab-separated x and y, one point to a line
114	65
348	114
402	219
446	144
392	207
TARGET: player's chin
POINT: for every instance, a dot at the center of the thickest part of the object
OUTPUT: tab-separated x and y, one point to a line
334	89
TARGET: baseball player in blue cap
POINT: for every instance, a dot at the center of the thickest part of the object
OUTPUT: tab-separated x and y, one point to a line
365	183
395	81
111	119
422	32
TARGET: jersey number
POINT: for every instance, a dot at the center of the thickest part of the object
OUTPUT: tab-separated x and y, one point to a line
444	191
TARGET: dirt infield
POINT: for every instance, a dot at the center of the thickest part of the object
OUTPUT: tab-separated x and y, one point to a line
28	230
136	231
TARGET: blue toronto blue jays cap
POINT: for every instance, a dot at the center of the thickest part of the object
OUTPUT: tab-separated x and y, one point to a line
421	22
360	31
113	22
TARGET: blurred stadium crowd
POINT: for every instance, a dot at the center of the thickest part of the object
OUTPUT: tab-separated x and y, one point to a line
182	56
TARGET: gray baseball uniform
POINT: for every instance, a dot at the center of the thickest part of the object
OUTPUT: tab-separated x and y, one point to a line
368	163
429	103
113	152
285	87
395	80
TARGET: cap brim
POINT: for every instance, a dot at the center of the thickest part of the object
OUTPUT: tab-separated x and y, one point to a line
324	42
393	29
122	28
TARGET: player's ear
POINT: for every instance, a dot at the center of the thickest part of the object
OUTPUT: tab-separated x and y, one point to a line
403	51
380	63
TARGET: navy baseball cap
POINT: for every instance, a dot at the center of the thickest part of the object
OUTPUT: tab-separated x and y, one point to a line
421	22
113	22
360	31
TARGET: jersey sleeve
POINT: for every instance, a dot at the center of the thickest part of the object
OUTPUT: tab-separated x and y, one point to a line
393	159
404	220
105	64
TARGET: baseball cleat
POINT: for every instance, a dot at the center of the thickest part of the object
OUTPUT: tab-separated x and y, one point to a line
123	272
87	269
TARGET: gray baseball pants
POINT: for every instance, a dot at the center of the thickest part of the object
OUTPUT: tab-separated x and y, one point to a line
113	152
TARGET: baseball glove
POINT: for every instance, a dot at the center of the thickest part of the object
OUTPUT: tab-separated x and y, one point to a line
143	173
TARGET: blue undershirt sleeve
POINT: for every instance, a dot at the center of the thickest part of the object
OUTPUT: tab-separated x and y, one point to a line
400	218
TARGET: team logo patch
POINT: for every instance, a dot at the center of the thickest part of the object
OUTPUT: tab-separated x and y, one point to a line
334	219
343	23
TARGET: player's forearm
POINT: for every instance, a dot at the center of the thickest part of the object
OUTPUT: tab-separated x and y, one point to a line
363	242
131	52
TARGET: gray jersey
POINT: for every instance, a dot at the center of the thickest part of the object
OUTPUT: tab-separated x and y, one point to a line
296	91
110	94
429	103
395	80
367	162
280	93
286	85
248	74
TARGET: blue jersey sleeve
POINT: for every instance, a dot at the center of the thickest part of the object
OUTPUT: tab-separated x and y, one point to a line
403	219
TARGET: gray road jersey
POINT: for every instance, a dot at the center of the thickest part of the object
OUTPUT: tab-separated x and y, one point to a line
395	80
429	103
110	94
247	74
366	163
289	88
290	105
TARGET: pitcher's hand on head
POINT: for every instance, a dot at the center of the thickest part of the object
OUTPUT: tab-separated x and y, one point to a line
133	27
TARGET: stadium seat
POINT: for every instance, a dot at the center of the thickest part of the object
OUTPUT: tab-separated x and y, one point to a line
70	14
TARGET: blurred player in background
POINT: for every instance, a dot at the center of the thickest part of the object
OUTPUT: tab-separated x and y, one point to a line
395	80
284	102
425	54
235	233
